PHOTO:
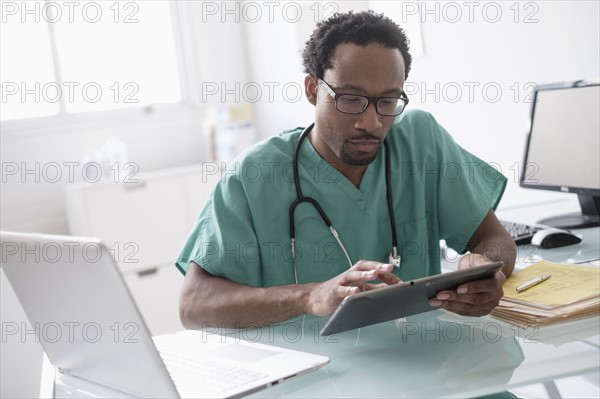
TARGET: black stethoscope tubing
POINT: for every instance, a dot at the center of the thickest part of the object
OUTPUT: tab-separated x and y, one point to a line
300	198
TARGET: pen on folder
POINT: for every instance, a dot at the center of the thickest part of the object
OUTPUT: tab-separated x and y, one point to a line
534	282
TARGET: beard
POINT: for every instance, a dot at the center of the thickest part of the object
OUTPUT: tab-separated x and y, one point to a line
355	158
354	161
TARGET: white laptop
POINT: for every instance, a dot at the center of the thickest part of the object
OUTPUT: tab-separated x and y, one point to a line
90	328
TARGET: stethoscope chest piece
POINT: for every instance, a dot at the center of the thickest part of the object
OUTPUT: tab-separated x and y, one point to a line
395	259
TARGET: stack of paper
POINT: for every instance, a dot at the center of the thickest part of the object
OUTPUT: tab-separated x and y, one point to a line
572	292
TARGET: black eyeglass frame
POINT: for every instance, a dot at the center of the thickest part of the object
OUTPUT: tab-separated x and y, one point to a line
374	100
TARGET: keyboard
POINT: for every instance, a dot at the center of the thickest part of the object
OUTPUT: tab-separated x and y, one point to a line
521	233
197	377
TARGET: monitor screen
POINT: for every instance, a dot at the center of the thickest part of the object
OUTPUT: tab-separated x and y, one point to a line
563	147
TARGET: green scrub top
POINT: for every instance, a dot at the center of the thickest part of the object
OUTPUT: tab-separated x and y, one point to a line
440	191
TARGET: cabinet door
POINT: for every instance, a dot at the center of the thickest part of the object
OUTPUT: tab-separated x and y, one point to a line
156	293
21	360
144	224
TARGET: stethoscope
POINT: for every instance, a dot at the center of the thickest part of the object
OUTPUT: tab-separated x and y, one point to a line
394	258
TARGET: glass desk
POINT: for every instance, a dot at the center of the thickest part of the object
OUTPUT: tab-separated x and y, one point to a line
588	250
436	354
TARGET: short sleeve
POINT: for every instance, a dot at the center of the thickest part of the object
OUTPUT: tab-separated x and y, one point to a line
468	188
223	240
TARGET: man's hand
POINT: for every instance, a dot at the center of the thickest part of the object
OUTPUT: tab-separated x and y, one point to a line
211	299
475	298
327	296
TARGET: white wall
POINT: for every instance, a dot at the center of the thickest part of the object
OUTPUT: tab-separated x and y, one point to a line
551	41
235	51
167	137
562	46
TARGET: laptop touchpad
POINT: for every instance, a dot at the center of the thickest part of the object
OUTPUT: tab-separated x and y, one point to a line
242	353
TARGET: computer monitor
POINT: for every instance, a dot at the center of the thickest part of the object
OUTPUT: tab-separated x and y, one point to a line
563	146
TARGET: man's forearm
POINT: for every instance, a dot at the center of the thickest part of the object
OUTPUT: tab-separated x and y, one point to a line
499	248
493	242
209	299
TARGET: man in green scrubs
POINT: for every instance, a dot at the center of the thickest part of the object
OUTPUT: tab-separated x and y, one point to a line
238	263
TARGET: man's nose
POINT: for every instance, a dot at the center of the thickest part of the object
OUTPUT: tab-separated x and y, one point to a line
369	120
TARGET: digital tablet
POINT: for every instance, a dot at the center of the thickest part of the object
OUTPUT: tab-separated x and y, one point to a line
400	300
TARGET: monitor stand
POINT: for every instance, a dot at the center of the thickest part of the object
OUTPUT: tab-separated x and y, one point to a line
589	216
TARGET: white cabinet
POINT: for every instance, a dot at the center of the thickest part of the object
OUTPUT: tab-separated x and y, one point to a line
156	292
145	225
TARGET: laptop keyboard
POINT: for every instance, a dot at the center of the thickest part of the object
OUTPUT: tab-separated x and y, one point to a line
521	233
197	377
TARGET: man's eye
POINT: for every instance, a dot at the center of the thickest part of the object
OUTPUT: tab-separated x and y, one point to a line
350	99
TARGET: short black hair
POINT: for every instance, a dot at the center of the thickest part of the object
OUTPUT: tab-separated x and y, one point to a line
359	28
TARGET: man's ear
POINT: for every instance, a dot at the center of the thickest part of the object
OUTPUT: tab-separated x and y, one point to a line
310	89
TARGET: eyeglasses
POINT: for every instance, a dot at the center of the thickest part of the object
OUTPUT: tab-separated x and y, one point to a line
357	104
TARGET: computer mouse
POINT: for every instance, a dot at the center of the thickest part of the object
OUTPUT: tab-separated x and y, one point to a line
553	238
